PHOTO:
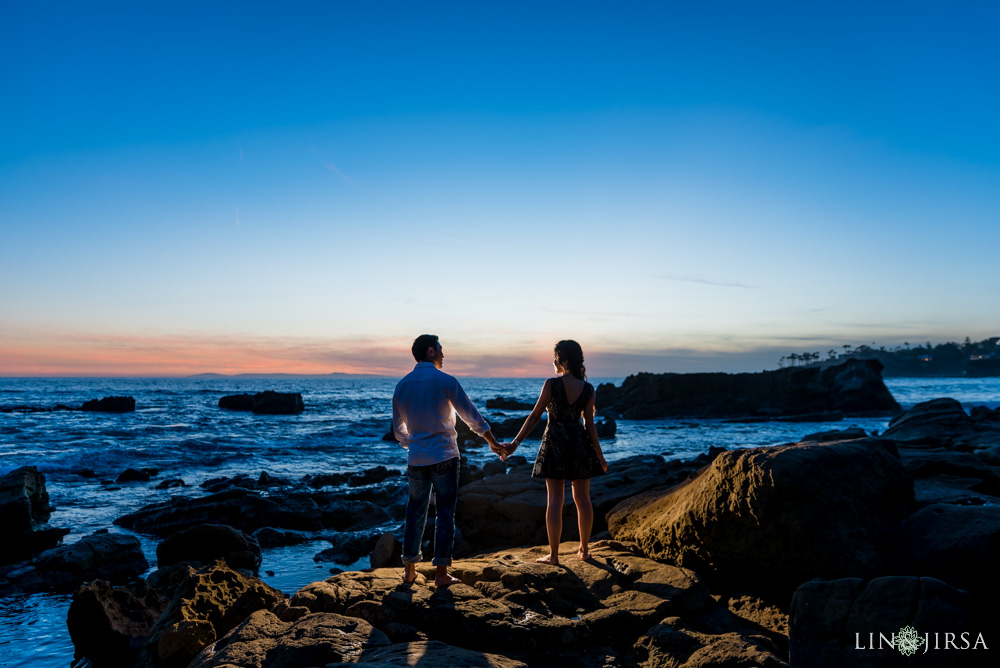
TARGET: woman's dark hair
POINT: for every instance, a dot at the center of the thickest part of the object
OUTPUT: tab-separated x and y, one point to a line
569	354
421	344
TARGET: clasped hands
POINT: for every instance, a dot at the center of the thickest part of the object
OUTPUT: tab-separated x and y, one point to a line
504	450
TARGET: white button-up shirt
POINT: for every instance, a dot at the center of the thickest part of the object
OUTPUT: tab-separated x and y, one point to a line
423	415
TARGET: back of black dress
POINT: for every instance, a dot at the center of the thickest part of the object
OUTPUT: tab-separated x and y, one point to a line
566	452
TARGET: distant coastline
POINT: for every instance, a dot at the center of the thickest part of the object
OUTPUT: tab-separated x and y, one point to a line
336	374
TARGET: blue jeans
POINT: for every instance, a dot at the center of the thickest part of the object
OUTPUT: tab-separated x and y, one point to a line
443	477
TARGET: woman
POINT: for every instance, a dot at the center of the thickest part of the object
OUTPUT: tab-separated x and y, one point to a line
570	450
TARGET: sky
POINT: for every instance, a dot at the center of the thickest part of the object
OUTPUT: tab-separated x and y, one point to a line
304	187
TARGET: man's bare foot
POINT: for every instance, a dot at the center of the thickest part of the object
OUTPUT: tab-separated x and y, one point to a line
548	559
445	580
409	574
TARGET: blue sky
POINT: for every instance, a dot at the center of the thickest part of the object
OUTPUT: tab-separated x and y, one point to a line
307	186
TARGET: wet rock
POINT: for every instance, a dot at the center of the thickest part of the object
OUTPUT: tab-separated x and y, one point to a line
494	467
830	619
371	476
510	604
24	512
270	537
278	403
115	557
326	479
505	404
852	388
239	508
265	641
171	483
985	413
237	402
205	543
785	513
133	475
942	423
348	548
267	480
110	405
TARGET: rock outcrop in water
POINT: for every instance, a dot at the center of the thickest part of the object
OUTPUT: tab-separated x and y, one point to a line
852	388
24	514
110	405
267	402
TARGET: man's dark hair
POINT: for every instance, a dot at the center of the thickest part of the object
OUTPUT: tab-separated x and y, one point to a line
421	344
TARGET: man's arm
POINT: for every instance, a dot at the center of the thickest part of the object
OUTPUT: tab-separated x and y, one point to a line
399	425
472	417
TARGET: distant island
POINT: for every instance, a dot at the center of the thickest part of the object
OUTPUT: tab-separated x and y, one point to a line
970	359
335	374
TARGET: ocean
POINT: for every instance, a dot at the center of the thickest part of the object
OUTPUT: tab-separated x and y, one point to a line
178	428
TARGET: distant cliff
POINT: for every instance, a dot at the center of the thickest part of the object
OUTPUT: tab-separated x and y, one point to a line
971	359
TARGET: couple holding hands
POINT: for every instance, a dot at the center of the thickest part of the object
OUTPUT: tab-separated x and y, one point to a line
423	419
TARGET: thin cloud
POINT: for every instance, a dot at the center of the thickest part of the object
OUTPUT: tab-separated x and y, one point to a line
342	176
704	281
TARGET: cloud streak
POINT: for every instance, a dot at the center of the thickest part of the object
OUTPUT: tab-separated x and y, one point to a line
703	281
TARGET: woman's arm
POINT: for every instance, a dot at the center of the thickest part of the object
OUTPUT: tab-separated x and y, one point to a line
536	414
588	420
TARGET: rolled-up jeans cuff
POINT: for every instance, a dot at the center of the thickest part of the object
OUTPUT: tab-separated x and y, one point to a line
413	560
440	562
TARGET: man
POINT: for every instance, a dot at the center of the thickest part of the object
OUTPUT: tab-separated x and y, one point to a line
423	420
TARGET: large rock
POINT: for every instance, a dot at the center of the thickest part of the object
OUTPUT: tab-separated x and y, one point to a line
854	388
107	556
957	544
943	423
239	508
504	510
510	604
109	624
674	643
110	405
841	623
778	516
208	604
237	402
265	641
277	403
24	511
205	543
432	653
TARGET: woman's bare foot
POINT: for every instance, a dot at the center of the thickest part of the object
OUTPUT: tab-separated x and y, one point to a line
548	559
583	554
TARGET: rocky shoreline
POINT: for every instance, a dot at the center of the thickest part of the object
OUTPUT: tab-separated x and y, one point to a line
783	555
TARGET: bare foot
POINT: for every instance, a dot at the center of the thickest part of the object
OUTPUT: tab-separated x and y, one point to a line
445	580
548	559
409	575
584	555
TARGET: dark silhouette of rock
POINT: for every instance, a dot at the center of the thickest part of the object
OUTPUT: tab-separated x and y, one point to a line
388	552
852	388
371	476
237	402
205	543
171	483
107	556
785	513
984	413
851	434
348	547
674	643
24	512
830	619
133	475
267	480
277	403
271	537
110	405
943	423
502	403
109	624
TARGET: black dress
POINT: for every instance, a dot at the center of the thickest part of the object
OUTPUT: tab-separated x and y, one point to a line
566	452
